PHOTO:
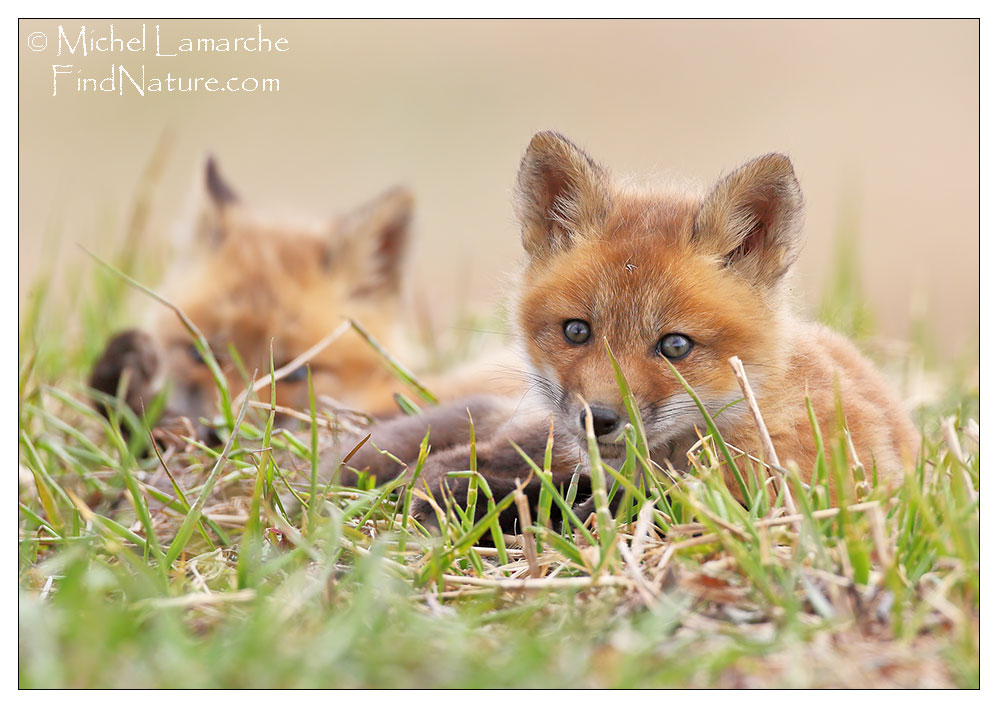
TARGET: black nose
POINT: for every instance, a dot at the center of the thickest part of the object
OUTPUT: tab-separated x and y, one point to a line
604	420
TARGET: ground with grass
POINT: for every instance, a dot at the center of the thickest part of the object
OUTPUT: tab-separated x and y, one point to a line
183	566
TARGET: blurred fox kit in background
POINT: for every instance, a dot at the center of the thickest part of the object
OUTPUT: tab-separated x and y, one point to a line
659	275
246	283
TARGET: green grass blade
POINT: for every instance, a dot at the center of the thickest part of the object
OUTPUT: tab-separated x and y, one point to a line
713	432
187	527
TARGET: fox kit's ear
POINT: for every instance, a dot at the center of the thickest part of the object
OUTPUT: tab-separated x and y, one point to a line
218	189
220	196
371	243
751	220
561	192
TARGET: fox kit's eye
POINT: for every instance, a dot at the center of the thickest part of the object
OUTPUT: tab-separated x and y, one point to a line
577	332
298	375
195	355
674	346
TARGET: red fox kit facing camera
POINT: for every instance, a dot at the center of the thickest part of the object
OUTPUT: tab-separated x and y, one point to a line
688	278
247	283
693	280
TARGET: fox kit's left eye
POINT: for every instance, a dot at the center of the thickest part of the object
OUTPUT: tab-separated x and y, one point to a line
577	332
298	375
674	346
194	354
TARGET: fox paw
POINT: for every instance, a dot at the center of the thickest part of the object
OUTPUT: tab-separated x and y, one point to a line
132	352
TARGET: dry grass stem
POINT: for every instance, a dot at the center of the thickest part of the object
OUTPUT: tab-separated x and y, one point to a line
294	364
199	599
549	583
529	545
768	447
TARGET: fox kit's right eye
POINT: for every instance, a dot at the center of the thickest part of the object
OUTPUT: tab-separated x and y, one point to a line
577	332
675	346
195	356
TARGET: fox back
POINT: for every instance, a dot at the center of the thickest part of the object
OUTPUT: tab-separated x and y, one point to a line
693	279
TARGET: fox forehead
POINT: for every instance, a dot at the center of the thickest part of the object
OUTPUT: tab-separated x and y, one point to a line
267	254
637	280
261	303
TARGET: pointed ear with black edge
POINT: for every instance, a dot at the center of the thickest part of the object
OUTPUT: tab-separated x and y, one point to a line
371	243
751	220
219	190
220	197
561	193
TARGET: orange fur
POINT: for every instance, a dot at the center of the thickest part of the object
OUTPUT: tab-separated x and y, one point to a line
638	265
253	285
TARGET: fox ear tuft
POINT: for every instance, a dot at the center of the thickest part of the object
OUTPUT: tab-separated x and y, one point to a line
372	241
561	192
751	220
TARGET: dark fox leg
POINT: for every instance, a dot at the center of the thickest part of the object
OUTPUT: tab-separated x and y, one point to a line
588	506
401	436
499	463
502	466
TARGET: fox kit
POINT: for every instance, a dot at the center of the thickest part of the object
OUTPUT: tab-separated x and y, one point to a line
664	275
252	285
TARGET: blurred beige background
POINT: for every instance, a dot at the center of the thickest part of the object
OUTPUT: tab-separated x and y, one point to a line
884	113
